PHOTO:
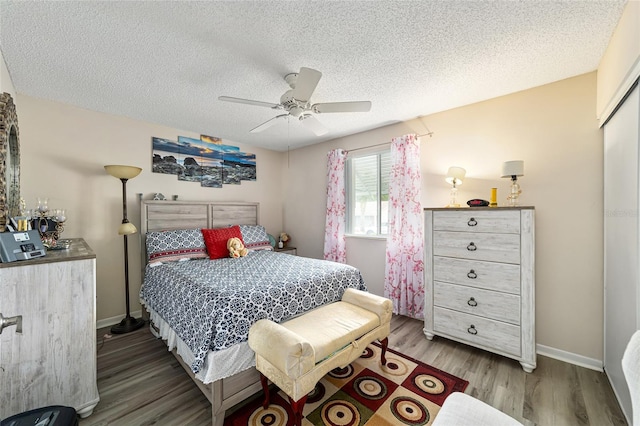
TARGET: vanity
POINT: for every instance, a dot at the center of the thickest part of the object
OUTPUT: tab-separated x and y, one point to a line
52	361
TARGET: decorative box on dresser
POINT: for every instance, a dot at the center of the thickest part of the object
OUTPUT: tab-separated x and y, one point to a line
479	279
53	360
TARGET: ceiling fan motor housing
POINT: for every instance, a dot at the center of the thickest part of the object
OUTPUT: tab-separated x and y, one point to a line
291	104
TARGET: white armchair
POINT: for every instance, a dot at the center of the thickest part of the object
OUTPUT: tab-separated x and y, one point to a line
460	409
631	370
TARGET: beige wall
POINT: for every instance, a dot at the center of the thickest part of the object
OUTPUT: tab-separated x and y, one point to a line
620	64
64	150
552	128
6	84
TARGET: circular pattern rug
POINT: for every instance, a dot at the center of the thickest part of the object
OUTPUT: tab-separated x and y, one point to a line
403	392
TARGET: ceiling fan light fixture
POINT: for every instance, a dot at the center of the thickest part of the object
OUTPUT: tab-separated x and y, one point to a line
296	111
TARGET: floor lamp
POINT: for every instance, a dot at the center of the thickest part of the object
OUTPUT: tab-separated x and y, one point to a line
124	173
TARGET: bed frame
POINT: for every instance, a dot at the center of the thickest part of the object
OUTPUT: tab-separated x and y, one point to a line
165	215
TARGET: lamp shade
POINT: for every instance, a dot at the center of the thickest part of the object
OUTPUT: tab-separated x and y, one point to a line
127	229
512	168
455	175
123	172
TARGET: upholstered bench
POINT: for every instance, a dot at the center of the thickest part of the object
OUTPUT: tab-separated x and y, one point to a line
296	354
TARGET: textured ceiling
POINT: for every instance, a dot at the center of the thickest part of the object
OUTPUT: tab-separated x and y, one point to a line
167	62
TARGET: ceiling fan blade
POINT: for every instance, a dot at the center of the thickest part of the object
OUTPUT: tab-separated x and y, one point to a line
312	123
249	102
356	106
306	83
271	122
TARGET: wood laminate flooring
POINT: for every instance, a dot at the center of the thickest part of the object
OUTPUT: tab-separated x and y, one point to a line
141	383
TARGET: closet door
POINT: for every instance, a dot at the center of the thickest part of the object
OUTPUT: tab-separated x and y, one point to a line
621	240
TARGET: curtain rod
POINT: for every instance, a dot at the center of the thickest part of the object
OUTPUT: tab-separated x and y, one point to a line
429	133
367	147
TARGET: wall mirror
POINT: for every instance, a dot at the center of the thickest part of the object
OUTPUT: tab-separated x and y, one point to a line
9	160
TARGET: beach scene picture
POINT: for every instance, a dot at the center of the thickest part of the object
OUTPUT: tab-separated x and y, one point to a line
238	166
206	160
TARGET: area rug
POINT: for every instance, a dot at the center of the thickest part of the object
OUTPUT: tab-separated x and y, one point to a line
404	392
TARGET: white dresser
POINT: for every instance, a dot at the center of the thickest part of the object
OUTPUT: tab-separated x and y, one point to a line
53	360
479	279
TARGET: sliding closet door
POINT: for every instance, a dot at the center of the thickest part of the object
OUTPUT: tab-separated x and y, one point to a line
621	240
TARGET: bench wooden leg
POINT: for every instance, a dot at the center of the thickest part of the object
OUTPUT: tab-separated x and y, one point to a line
384	342
265	389
297	407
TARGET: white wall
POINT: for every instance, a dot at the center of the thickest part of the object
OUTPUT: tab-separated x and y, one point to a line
552	128
64	149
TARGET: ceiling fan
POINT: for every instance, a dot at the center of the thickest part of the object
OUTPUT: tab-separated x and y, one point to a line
295	102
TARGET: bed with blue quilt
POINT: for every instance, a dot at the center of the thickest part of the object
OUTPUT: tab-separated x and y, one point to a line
203	308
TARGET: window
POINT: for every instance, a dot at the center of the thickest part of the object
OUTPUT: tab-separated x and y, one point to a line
368	194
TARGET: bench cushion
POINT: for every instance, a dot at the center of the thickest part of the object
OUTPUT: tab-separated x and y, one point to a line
342	323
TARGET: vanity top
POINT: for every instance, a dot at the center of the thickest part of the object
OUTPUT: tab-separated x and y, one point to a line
78	250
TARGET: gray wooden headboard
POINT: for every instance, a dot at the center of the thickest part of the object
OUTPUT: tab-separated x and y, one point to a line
166	215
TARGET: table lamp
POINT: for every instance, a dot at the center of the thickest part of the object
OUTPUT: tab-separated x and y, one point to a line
455	175
513	169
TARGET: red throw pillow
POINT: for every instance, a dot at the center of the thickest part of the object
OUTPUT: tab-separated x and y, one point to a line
216	240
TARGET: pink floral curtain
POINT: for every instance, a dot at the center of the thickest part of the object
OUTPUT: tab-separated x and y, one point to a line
404	278
334	241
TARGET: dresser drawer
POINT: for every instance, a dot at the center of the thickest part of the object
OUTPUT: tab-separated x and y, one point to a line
498	221
503	277
477	246
479	331
484	303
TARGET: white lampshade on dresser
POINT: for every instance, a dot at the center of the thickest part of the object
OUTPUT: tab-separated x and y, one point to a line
455	176
513	170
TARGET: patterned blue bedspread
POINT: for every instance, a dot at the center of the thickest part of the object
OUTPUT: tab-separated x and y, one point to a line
211	304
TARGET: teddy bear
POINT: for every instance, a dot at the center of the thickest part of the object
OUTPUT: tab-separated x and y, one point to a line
236	248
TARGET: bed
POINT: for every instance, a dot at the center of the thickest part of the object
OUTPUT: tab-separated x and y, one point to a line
203	308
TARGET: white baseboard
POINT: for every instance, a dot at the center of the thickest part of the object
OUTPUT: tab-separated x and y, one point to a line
107	322
571	358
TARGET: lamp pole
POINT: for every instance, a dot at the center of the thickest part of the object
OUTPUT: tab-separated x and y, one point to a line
126	248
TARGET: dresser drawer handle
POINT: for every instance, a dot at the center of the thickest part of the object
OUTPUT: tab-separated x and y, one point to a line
472	274
472	247
472	330
472	222
472	302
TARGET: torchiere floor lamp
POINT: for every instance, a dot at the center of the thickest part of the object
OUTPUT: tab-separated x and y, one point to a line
124	173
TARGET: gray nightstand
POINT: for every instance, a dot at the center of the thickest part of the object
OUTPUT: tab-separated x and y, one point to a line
287	250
